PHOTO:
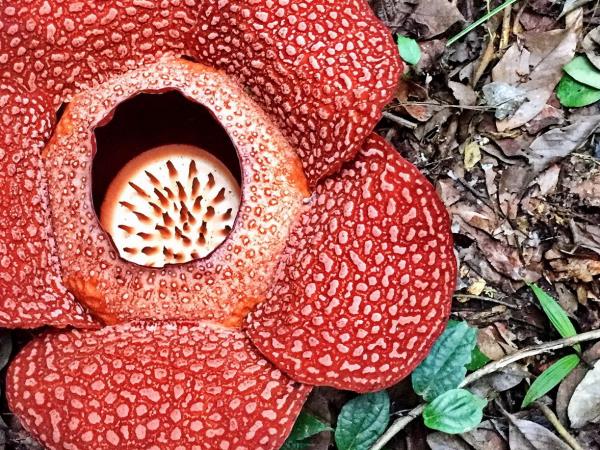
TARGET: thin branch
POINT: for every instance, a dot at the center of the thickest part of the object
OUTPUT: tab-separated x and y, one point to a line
400	121
558	426
402	422
486	299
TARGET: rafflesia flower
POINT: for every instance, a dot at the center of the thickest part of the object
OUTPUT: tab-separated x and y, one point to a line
209	226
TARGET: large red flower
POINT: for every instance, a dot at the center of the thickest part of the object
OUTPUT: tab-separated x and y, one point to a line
183	324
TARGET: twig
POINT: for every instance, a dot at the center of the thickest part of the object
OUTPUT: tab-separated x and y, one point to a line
400	423
504	37
400	121
567	437
486	59
487	299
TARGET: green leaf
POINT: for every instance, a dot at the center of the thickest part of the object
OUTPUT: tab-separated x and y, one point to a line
557	315
582	70
444	368
574	94
362	421
478	360
455	411
409	49
306	426
549	378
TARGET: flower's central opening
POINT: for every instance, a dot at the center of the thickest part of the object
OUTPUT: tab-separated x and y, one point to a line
162	187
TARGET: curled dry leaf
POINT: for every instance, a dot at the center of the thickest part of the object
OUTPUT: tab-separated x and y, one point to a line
591	46
528	435
570	383
544	52
505	98
436	16
443	441
557	143
486	437
465	95
584	406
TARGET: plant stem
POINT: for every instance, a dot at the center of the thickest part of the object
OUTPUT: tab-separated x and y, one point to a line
567	437
400	423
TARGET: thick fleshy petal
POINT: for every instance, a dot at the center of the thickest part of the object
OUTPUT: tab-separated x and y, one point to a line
31	291
324	68
152	386
366	284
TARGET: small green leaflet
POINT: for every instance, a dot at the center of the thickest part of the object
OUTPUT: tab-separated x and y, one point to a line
305	427
574	94
455	411
478	360
409	49
582	70
362	421
558	317
444	368
549	378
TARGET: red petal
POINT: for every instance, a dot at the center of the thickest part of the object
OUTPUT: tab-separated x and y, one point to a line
31	291
323	68
369	278
152	386
64	46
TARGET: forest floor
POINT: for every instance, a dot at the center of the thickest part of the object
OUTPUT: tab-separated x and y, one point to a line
520	175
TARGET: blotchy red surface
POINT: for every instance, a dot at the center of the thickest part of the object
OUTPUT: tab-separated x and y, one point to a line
31	292
324	69
152	386
224	285
367	280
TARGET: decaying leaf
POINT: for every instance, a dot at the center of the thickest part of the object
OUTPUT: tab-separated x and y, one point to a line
465	95
504	97
557	143
584	406
528	435
545	53
472	155
443	441
436	16
486	437
591	46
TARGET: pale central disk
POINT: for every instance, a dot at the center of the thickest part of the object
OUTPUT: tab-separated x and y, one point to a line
170	205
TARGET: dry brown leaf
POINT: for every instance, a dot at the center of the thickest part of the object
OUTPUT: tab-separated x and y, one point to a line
500	381
485	437
588	189
576	268
443	441
591	46
568	385
585	235
557	143
584	406
528	435
546	52
465	95
436	16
